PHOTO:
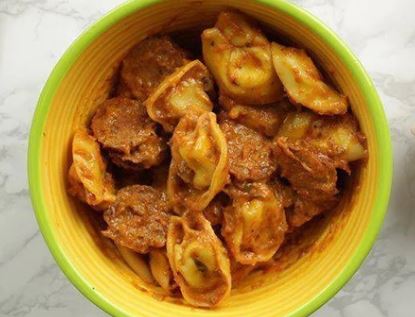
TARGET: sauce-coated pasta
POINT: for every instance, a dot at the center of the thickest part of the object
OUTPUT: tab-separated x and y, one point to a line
303	82
254	225
199	166
239	57
88	178
199	261
185	91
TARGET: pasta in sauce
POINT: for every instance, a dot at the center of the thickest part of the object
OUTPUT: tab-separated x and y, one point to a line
88	179
198	259
161	270
205	168
254	226
266	119
303	82
199	165
184	91
239	56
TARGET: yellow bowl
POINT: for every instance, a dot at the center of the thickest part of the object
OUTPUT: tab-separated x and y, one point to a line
82	79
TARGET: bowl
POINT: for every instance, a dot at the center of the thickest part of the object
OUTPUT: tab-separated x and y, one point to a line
82	79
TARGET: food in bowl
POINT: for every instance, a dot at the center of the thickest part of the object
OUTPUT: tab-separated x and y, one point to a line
232	153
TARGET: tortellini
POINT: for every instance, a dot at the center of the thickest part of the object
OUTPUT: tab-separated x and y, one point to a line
137	263
254	225
339	137
199	167
303	82
199	261
88	179
336	136
160	268
239	57
296	125
184	91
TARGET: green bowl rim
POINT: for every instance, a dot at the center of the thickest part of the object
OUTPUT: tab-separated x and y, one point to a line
300	15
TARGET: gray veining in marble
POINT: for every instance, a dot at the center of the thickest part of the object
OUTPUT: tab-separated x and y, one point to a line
34	33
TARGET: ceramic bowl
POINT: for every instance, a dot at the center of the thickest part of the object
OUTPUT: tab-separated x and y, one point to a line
82	79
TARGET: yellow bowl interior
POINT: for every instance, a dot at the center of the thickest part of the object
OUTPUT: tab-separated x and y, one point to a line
94	260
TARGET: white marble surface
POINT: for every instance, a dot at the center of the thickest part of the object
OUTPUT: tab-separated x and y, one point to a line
34	33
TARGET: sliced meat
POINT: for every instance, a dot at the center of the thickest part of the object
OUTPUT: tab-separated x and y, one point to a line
123	127
304	210
138	218
265	119
311	174
288	195
148	63
249	152
122	90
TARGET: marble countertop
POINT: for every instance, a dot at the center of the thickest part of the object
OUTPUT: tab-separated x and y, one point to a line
35	33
